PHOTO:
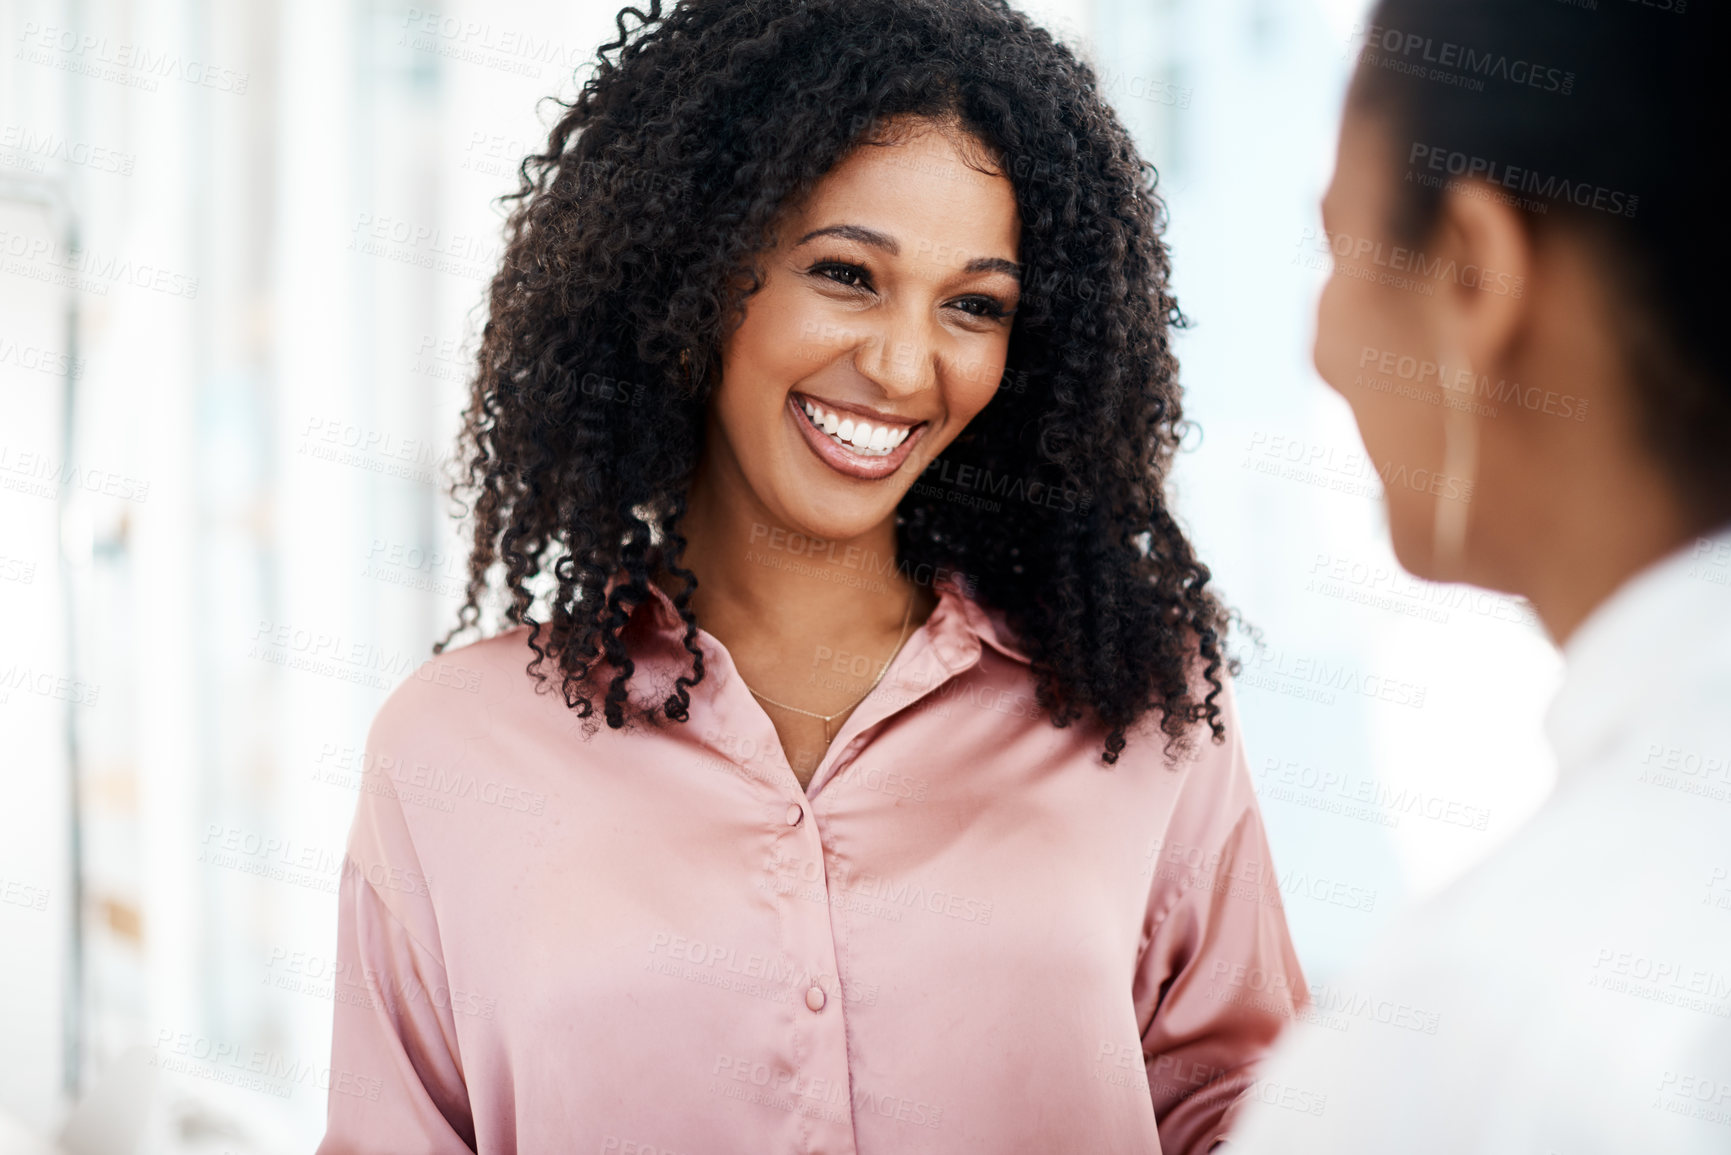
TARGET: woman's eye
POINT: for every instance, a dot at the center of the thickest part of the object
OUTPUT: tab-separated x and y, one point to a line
852	276
989	307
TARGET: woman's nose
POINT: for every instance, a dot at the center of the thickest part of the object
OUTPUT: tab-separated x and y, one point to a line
899	356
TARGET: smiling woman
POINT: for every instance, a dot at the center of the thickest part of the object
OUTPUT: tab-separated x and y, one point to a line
878	333
662	217
920	820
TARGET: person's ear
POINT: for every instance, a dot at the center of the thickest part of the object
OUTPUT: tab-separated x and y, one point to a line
1485	297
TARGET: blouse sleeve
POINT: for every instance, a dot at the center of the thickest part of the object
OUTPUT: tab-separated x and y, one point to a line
396	1075
1218	977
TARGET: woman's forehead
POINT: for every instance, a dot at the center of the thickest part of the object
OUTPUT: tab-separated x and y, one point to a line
924	187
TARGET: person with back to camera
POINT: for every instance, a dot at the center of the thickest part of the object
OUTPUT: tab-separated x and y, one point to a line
1571	994
886	793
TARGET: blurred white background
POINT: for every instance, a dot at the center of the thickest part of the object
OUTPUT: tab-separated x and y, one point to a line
242	253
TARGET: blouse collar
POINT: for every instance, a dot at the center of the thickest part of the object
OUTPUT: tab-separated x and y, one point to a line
957	627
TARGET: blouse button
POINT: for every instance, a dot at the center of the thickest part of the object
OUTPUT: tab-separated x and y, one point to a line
814	998
794	814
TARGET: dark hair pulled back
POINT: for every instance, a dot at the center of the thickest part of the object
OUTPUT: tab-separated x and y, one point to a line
1607	118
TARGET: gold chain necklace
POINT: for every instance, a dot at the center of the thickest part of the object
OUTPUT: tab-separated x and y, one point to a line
827	718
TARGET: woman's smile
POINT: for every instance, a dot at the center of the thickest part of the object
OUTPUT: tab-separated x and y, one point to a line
846	441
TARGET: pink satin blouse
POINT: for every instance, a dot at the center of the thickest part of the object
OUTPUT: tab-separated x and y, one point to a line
968	934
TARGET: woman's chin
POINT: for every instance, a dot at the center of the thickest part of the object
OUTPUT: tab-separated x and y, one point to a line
833	528
829	506
1412	546
811	512
1418	567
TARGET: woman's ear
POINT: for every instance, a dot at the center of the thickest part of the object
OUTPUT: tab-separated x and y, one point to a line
1483	306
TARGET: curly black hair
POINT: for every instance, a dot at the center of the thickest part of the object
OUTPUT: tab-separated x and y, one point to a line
633	244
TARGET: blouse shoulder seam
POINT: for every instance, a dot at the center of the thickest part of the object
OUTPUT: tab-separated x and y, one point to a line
378	896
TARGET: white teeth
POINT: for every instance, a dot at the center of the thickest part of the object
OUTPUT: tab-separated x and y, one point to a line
861	437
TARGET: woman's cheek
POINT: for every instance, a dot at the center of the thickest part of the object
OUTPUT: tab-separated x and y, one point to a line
974	378
815	335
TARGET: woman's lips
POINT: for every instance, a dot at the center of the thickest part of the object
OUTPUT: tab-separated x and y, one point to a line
844	459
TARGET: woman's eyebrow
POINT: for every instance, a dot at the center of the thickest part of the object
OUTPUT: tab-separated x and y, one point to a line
993	265
888	244
858	233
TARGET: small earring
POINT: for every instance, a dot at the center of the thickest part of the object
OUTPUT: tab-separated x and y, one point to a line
1460	464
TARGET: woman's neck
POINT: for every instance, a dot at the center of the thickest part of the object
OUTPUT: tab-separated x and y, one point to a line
762	581
1594	554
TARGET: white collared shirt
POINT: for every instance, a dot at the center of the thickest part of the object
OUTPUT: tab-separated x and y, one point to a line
1572	994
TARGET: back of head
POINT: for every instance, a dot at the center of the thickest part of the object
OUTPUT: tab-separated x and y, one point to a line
1603	117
